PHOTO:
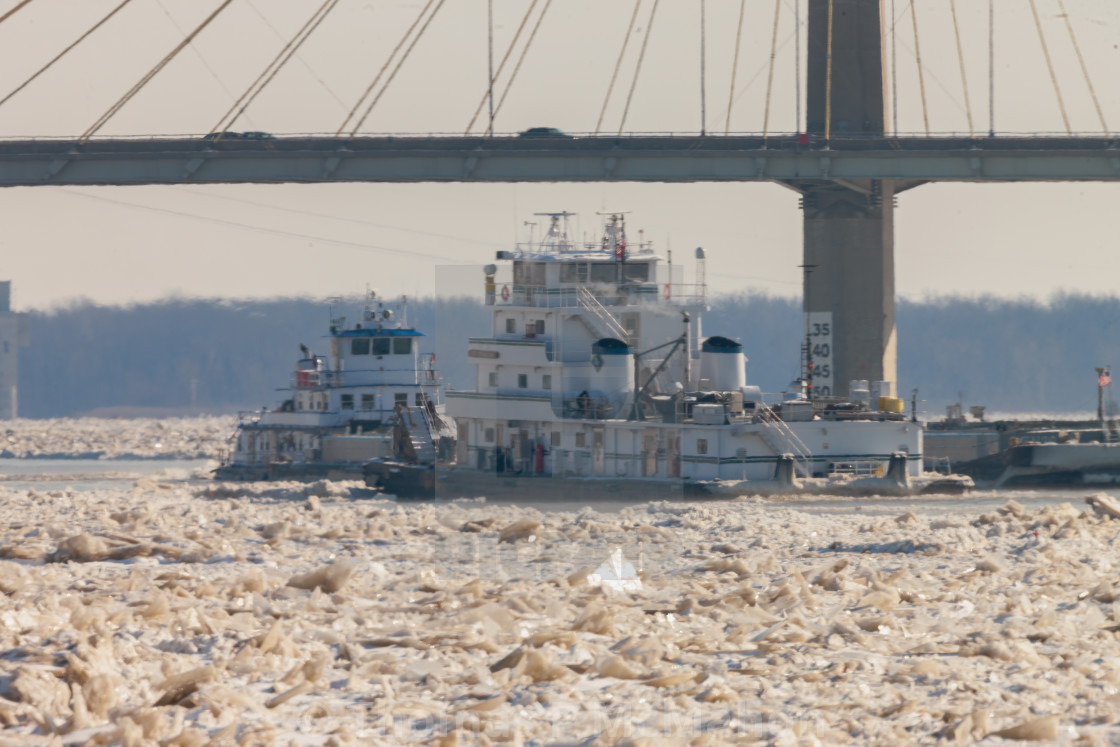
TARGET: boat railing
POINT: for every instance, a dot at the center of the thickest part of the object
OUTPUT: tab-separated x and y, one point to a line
607	294
357	377
552	246
587	408
856	468
940	465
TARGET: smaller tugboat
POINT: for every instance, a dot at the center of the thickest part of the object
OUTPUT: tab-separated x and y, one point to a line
340	407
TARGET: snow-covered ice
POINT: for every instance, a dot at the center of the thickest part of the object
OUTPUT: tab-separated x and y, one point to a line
185	612
118	438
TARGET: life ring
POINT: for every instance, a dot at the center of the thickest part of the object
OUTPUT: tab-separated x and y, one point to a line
505	292
668	292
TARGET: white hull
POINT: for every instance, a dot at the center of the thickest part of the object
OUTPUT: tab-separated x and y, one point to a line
640	449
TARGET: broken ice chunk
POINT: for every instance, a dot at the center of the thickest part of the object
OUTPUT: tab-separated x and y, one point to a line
616	574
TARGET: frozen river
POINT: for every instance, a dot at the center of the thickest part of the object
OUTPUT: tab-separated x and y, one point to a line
90	474
93	474
141	603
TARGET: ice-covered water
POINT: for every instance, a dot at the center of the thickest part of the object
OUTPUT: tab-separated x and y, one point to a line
97	474
173	610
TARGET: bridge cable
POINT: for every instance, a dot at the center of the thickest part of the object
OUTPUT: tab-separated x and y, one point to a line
13	11
991	68
618	63
703	68
734	65
310	70
490	59
921	74
894	67
273	67
828	78
61	54
201	57
520	59
400	63
797	62
501	66
960	60
638	69
770	78
1084	69
388	61
1050	67
85	136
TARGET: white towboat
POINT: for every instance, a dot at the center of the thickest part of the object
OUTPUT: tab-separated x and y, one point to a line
339	407
596	380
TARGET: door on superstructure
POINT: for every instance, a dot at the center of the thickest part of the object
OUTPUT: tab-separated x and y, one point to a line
461	431
499	447
649	453
674	453
598	452
524	454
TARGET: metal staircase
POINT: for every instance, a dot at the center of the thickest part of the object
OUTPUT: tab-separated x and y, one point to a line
781	438
412	436
599	318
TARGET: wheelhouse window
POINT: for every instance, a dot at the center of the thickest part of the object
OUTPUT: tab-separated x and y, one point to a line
402	345
368	401
346	401
573	272
604	272
359	346
635	272
528	273
380	345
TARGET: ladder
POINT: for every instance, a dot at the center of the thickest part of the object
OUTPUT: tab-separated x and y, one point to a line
781	438
416	441
602	322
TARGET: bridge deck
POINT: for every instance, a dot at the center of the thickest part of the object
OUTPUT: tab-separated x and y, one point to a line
585	158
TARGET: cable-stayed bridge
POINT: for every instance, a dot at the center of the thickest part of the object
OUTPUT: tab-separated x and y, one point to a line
849	102
636	158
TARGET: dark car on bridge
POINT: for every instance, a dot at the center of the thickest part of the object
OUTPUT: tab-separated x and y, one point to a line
239	136
543	132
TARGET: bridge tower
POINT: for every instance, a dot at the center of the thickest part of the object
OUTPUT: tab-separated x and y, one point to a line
848	224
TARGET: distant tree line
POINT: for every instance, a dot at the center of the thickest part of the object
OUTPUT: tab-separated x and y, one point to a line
221	355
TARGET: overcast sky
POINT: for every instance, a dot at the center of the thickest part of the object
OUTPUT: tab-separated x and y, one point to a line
120	245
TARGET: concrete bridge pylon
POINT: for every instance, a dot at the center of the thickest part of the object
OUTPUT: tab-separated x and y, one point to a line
848	224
